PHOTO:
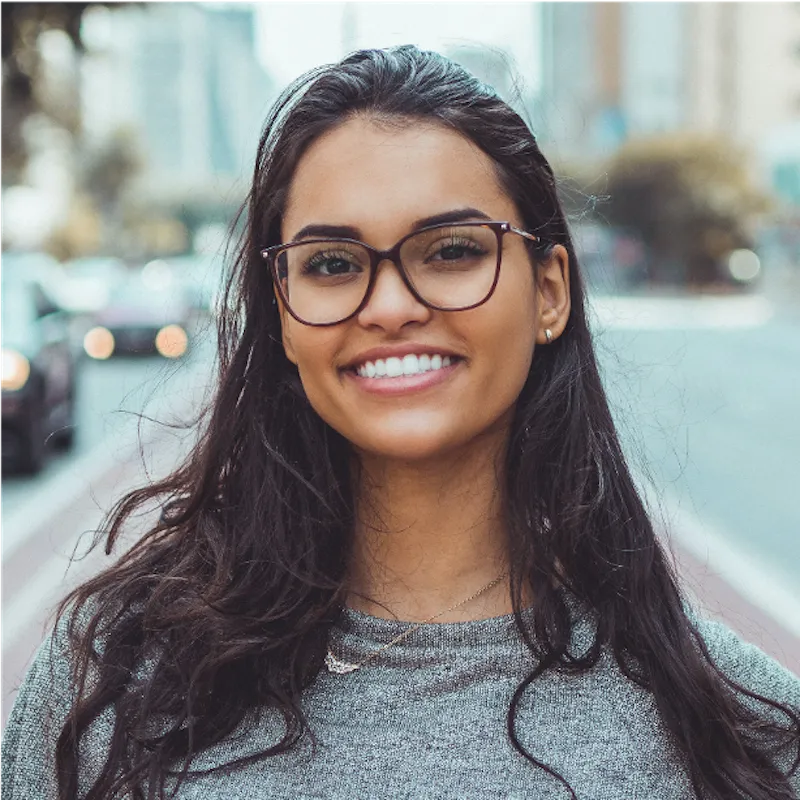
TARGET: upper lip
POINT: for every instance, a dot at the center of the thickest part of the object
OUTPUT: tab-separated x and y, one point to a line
398	351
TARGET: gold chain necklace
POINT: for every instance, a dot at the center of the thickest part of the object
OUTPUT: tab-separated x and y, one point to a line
343	667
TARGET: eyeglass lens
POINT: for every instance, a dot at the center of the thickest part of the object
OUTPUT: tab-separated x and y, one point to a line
450	268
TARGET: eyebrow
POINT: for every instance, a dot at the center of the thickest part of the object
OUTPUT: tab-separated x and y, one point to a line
349	232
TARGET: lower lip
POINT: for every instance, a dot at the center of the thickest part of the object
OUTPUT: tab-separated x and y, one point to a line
405	384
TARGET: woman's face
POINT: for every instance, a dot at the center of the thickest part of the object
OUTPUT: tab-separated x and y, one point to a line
381	181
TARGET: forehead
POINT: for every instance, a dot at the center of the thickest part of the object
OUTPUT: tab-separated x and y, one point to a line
381	178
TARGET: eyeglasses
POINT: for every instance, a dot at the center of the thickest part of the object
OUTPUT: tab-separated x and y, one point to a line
447	267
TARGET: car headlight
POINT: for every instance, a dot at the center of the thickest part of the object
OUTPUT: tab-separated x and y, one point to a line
172	341
99	343
16	370
744	265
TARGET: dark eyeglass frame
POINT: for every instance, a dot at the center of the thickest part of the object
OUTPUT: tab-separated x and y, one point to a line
272	254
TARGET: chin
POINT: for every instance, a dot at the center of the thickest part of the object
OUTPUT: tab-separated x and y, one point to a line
414	446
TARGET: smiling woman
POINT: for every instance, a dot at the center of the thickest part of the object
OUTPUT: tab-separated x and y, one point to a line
407	558
386	304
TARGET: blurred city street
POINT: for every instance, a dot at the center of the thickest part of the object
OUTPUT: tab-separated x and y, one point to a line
128	432
708	413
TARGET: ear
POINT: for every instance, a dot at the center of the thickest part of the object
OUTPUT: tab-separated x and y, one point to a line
552	295
286	324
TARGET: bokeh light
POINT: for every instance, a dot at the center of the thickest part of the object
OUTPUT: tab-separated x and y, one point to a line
99	343
172	341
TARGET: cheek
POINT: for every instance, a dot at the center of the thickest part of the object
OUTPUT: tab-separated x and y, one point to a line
314	351
503	336
514	318
299	345
514	336
510	361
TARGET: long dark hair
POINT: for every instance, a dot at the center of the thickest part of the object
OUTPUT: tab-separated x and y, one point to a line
224	607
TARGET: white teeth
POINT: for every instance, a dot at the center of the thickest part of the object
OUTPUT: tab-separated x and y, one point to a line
410	364
394	367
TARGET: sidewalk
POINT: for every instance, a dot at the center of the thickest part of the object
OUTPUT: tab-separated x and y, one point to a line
720	601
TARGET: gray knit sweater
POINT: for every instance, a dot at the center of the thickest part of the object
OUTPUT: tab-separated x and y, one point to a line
426	720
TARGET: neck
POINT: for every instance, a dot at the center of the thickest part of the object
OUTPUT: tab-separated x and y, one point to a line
428	536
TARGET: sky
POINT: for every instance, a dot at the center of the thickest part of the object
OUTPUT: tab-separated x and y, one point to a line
296	36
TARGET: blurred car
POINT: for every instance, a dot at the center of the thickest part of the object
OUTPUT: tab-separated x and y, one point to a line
39	267
742	266
39	369
90	282
141	317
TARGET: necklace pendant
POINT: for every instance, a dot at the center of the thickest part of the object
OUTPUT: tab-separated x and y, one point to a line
338	666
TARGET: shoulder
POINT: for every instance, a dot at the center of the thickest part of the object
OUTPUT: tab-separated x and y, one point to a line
753	670
747	664
40	709
43	702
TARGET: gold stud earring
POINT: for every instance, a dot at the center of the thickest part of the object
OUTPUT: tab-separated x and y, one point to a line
548	334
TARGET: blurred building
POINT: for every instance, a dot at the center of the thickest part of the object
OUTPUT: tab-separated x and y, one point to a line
744	67
185	78
616	70
491	65
654	66
580	105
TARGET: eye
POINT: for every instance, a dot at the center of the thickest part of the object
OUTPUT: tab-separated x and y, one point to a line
456	249
328	263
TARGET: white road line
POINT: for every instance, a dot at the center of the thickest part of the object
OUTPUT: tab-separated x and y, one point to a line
47	586
743	570
678	313
62	489
55	575
55	494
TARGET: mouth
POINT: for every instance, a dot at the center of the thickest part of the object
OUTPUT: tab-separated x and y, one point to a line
405	366
403	374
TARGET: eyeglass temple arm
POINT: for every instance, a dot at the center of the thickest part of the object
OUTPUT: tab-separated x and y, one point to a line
531	237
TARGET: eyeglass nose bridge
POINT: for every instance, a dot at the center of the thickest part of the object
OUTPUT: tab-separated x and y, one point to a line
377	257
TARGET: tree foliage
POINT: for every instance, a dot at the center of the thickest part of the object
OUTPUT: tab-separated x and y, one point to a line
109	168
690	199
21	24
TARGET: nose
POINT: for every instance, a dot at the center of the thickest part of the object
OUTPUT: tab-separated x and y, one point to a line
391	305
